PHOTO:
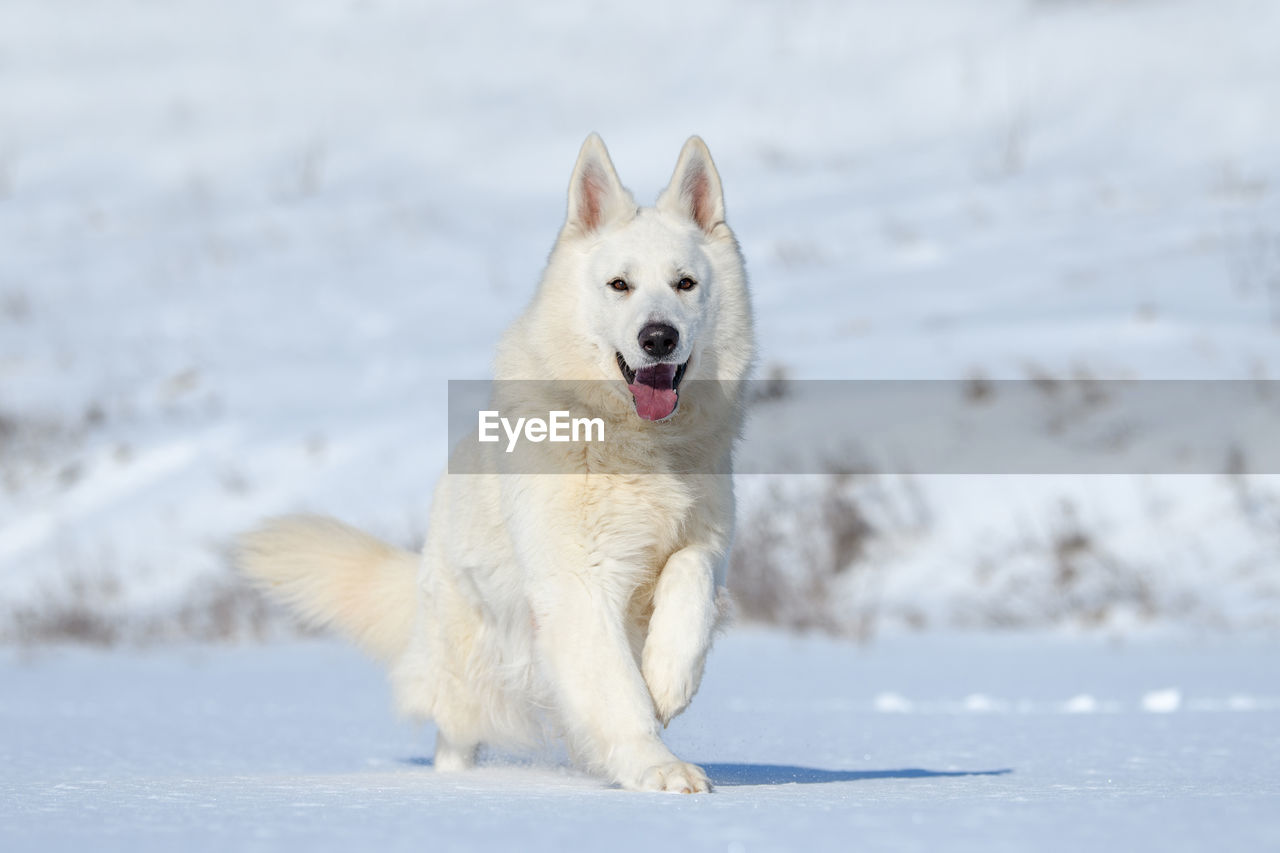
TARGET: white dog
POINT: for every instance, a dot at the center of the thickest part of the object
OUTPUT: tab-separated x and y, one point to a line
585	600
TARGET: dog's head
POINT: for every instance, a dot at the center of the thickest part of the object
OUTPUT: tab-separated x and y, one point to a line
657	294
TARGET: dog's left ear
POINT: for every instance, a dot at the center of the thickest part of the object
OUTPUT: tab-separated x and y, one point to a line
694	191
596	196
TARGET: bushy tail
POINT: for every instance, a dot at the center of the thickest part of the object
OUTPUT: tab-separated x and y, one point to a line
334	575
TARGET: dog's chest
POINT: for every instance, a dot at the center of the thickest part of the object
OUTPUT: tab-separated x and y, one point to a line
638	520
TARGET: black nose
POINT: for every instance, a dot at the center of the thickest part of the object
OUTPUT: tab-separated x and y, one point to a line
658	339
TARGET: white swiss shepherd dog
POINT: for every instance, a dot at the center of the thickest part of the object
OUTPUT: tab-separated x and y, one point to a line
584	605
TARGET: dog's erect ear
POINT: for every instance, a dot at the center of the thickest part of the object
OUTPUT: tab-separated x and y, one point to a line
694	190
596	196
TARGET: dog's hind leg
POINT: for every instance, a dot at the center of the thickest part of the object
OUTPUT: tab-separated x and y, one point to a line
453	755
438	677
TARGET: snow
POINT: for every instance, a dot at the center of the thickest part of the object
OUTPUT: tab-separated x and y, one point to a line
1162	701
292	746
242	249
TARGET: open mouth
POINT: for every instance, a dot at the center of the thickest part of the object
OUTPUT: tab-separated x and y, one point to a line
654	387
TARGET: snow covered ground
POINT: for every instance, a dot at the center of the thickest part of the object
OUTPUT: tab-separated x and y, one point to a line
925	743
243	247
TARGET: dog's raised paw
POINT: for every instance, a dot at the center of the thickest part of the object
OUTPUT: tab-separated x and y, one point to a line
677	777
671	682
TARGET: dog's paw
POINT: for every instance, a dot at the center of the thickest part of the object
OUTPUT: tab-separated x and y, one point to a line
672	682
677	777
670	696
451	757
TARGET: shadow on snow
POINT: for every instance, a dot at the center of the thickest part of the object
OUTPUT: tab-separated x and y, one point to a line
729	775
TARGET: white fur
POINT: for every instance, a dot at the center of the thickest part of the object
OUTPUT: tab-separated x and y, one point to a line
585	604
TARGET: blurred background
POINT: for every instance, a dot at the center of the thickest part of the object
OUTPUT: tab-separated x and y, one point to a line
243	246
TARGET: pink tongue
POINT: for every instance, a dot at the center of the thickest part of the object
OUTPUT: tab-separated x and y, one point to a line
653	404
653	391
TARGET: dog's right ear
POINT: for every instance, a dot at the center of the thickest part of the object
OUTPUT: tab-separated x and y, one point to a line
596	196
694	191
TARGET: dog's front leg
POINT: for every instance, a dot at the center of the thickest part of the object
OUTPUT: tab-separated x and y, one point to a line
601	695
685	614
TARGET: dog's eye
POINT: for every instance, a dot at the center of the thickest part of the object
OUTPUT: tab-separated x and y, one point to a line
686	283
619	285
